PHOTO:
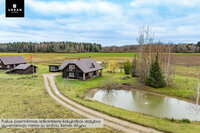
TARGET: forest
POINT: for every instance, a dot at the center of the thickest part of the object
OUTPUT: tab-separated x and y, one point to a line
76	47
175	48
49	47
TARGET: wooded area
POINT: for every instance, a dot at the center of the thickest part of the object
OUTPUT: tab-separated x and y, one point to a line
176	48
75	47
49	47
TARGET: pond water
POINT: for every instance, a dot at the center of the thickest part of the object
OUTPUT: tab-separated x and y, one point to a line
147	103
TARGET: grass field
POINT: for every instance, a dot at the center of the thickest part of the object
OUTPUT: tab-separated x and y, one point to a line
57	58
100	55
182	87
79	87
24	97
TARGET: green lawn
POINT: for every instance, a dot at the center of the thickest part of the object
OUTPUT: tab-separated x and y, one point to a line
182	87
79	87
23	97
99	55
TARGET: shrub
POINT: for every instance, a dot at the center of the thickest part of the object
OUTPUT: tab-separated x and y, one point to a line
127	67
112	66
186	120
155	78
172	119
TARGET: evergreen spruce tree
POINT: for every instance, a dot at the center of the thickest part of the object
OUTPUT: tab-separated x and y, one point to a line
133	68
155	78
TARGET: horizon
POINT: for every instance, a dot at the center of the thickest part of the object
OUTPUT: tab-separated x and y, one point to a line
109	23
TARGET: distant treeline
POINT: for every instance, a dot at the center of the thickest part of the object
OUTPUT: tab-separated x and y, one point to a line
49	47
175	48
74	47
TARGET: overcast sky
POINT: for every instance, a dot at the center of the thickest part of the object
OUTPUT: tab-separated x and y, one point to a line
111	22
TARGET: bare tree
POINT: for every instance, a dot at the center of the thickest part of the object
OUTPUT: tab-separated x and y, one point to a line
196	107
145	41
168	68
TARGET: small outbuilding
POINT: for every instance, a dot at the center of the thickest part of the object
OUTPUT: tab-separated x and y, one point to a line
54	68
24	69
81	69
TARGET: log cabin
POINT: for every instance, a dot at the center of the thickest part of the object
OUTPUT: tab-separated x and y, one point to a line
24	69
10	62
81	69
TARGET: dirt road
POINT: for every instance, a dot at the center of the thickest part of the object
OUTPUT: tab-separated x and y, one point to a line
89	113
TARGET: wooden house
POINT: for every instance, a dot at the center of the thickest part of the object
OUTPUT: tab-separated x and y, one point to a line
10	62
81	69
54	68
24	69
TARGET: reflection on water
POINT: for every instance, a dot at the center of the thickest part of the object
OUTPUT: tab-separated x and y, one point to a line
156	105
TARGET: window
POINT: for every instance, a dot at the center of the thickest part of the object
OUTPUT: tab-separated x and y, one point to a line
0	66
8	66
53	69
71	66
71	75
0	61
92	66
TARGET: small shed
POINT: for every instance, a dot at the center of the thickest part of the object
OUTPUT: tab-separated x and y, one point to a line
24	69
54	68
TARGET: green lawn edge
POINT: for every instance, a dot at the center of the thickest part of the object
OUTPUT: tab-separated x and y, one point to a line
145	120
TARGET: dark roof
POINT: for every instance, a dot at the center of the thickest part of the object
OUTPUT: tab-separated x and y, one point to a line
23	66
83	64
12	60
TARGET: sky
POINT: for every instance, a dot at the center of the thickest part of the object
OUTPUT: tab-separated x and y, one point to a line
107	22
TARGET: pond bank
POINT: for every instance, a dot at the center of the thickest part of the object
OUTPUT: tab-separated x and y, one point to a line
138	87
79	88
149	104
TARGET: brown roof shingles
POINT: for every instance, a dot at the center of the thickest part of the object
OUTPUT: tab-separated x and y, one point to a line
83	64
23	67
9	60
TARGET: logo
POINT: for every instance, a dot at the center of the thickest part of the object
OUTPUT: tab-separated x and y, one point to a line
14	8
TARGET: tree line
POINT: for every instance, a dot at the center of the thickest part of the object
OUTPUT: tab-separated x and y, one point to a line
75	47
49	47
175	48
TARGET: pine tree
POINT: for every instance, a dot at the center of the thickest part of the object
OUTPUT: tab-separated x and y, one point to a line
127	67
155	78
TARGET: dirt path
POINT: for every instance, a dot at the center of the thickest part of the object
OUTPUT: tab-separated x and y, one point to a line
89	113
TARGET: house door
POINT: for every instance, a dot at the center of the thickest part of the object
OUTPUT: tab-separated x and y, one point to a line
80	75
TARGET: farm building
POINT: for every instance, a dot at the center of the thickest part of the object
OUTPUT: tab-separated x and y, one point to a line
54	68
81	69
24	69
10	62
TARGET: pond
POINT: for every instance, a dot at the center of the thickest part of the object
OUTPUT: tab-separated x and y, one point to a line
147	103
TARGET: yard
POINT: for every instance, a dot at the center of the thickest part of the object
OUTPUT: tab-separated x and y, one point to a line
24	97
79	87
